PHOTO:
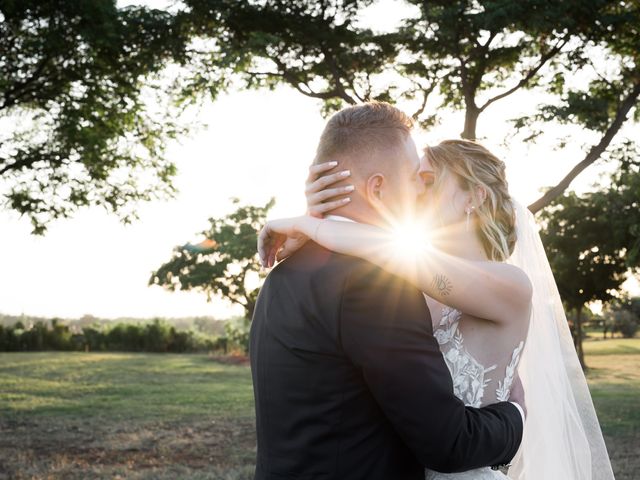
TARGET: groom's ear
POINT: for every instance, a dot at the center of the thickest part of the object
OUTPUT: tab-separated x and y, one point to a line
374	187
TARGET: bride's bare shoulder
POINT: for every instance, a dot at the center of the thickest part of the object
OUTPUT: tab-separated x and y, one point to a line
515	289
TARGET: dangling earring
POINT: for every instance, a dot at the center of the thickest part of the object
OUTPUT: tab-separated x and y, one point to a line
469	210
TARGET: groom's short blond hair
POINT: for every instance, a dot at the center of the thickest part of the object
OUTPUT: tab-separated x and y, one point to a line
362	133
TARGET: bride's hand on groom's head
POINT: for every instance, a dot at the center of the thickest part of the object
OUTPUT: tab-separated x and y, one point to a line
322	197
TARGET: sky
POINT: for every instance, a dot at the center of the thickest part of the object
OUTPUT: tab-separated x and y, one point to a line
252	145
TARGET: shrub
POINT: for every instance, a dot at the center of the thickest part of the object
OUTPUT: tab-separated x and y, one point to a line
237	333
157	336
626	323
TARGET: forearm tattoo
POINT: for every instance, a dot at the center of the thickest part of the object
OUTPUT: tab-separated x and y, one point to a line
442	285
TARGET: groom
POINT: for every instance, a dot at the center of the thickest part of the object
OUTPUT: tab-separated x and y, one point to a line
349	382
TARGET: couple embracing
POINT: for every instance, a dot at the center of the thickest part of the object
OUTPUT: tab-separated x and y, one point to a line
440	351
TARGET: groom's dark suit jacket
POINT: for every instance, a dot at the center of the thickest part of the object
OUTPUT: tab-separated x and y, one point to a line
350	384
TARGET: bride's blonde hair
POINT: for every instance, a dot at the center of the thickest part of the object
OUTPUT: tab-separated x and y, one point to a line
474	166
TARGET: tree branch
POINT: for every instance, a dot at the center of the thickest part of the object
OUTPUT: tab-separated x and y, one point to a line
10	97
482	56
492	36
296	83
425	96
25	162
530	74
594	153
338	74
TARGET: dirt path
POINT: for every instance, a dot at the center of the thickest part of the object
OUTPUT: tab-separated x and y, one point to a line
625	456
56	449
68	449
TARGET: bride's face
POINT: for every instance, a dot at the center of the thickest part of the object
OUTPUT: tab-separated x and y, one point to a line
445	204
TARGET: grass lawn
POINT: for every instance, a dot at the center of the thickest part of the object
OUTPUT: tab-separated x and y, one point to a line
118	415
614	379
145	416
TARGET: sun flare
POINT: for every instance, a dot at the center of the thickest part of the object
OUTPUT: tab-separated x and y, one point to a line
410	240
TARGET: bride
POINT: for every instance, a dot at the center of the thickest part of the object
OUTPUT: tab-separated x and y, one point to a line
494	305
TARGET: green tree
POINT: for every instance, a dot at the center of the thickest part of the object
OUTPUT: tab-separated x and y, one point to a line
77	84
225	263
587	260
472	53
313	46
237	333
623	314
605	98
482	52
608	325
624	195
464	49
81	71
59	336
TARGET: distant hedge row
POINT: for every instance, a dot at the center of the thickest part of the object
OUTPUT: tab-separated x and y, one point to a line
157	336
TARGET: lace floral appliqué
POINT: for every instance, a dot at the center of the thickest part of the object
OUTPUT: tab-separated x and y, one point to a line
470	376
504	387
467	373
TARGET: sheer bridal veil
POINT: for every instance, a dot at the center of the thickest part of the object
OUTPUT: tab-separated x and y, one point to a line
562	437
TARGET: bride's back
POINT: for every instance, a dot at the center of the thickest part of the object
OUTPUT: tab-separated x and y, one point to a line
481	355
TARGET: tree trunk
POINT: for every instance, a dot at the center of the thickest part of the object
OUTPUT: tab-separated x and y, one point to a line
249	309
579	337
470	122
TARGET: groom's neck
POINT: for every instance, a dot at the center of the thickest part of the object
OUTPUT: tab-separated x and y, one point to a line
360	215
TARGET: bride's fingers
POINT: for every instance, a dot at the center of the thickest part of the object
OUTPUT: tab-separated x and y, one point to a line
264	244
323	182
326	194
271	249
321	208
289	248
284	252
316	170
273	253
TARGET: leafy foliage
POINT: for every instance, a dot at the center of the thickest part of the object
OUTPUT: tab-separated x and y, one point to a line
624	316
316	47
79	79
237	332
587	239
156	336
459	49
483	51
587	262
77	83
624	195
597	88
468	54
225	268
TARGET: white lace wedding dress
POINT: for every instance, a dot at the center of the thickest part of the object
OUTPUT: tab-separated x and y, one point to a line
474	383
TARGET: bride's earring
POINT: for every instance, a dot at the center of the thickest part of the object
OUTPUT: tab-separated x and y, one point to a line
468	210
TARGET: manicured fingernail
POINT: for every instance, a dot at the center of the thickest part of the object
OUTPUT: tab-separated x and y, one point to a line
345	173
346	200
333	164
349	188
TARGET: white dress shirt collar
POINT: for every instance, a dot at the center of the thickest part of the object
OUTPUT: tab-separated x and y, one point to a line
339	218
